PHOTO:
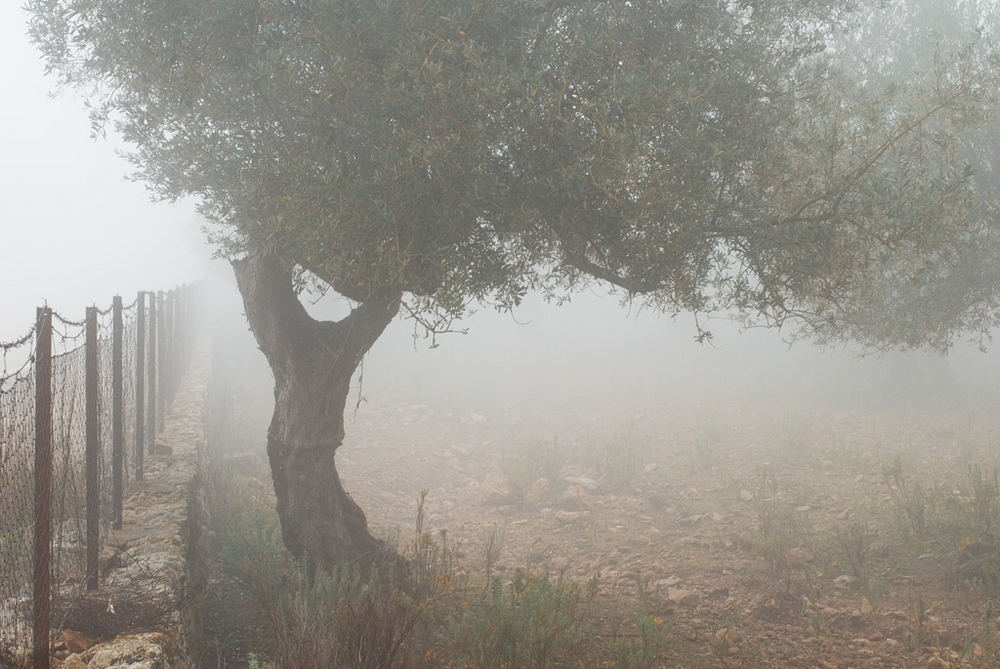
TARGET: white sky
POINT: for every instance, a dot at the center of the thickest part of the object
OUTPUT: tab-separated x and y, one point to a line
73	230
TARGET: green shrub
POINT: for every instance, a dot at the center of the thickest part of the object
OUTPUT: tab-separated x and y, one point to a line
352	617
642	648
530	622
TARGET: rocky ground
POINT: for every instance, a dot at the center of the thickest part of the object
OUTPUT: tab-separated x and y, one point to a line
763	537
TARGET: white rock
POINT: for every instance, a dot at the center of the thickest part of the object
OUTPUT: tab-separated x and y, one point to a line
585	482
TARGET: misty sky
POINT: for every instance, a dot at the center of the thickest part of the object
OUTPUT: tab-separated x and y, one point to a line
75	231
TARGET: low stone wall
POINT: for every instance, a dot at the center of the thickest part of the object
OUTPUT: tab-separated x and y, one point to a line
146	613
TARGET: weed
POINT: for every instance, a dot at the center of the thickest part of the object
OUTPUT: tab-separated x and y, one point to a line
909	500
523	467
776	524
532	621
250	547
795	435
983	493
642	591
855	540
986	633
552	460
849	455
349	616
642	644
684	506
354	616
430	565
916	636
711	436
521	473
764	494
622	461
254	662
643	648
493	539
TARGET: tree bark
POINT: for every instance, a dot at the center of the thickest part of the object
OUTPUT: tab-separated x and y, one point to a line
312	362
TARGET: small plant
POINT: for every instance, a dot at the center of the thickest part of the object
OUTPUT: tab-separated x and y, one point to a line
351	616
552	460
916	637
430	560
254	662
521	472
643	648
493	539
523	467
795	437
358	617
986	633
983	493
706	446
764	495
532	621
909	500
855	540
777	527
848	454
622	461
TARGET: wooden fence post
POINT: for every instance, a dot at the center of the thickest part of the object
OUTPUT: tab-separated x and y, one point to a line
140	381
117	395
42	553
151	395
93	389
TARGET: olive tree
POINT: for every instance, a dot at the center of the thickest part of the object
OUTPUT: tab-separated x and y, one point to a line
421	156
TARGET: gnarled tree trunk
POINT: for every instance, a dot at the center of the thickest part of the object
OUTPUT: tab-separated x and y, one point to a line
312	362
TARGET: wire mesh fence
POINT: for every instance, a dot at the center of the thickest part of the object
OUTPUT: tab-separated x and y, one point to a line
72	436
17	436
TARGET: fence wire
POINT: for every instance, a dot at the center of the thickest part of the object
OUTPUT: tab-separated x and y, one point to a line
128	396
17	437
69	508
68	492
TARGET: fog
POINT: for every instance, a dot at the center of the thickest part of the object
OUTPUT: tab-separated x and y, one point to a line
593	355
738	521
75	231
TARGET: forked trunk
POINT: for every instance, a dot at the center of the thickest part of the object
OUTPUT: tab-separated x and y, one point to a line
312	362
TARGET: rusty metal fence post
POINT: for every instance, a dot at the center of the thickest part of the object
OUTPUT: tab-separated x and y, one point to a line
170	369
92	392
180	327
42	553
151	395
163	366
117	397
140	381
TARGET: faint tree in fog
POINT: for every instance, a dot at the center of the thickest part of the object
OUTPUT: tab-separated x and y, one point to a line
427	155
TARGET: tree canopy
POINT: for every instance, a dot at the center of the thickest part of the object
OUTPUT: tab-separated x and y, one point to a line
739	155
697	155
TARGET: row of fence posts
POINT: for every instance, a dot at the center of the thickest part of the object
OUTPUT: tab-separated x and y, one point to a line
159	363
